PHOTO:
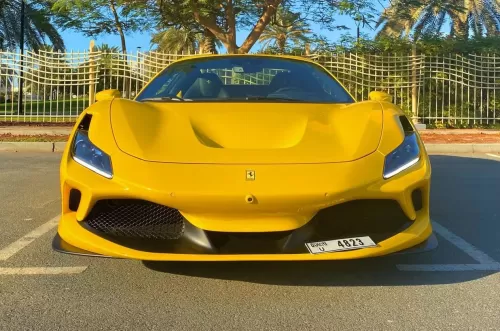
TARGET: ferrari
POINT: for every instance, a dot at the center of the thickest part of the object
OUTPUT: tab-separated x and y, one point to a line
244	157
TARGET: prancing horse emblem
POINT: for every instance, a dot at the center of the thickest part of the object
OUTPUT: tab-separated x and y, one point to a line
250	175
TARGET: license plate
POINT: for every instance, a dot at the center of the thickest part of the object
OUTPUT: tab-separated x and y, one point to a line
336	245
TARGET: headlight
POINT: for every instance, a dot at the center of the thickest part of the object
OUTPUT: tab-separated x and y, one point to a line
403	157
91	157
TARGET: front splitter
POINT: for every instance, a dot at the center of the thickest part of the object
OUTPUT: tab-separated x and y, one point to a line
61	246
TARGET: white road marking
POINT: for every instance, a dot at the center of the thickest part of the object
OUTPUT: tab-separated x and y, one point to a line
486	263
467	248
24	241
42	270
494	155
449	267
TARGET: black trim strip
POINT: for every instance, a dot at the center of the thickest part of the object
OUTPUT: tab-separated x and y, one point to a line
61	246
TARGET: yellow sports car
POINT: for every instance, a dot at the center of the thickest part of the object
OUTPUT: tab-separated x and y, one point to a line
244	157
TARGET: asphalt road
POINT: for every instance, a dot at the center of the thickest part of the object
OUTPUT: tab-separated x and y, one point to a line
377	294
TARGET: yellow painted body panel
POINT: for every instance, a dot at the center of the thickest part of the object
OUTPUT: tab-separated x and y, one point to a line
194	157
246	133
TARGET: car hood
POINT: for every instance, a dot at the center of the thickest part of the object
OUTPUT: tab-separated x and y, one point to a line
246	133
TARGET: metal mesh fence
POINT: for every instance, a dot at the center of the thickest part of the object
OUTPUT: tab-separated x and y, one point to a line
457	89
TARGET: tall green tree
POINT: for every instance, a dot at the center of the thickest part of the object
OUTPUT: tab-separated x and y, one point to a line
287	28
184	40
223	18
38	26
96	17
404	17
362	12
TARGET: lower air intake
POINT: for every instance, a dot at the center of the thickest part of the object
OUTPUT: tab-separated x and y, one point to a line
136	219
377	218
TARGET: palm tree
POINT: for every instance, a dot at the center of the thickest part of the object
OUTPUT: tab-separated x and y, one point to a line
185	40
285	28
209	42
109	56
403	17
176	40
38	27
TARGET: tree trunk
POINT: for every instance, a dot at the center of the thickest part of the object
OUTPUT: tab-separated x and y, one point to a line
201	47
231	27
232	48
229	38
208	44
259	27
460	26
118	25
119	28
308	49
281	44
122	39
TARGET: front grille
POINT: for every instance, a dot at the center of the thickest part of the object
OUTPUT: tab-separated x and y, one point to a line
136	219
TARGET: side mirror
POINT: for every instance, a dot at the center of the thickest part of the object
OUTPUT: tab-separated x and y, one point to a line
379	96
107	95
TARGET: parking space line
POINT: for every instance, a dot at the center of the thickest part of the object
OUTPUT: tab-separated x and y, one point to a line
486	263
467	248
494	155
24	241
42	270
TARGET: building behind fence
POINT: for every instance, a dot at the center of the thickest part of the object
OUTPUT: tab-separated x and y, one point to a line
461	90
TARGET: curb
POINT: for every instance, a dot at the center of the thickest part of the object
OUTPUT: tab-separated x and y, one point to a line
462	148
32	146
30	131
431	148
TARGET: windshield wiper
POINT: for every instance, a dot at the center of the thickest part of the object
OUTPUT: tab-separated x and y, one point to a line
159	99
259	98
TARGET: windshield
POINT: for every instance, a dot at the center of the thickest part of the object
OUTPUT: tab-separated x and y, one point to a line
245	79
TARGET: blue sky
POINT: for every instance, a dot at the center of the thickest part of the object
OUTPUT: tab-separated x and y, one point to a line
77	41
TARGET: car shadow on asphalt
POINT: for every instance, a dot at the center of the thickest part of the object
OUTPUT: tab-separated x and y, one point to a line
456	182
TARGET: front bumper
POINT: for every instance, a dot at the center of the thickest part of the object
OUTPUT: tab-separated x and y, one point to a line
213	198
417	237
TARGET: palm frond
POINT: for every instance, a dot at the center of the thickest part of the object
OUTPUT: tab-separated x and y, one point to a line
429	16
285	29
38	26
175	40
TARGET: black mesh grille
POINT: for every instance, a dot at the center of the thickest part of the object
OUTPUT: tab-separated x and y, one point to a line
136	219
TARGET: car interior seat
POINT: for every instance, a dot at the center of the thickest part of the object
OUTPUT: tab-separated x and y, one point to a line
207	85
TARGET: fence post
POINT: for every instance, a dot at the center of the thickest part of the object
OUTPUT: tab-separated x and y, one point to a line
91	73
414	91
